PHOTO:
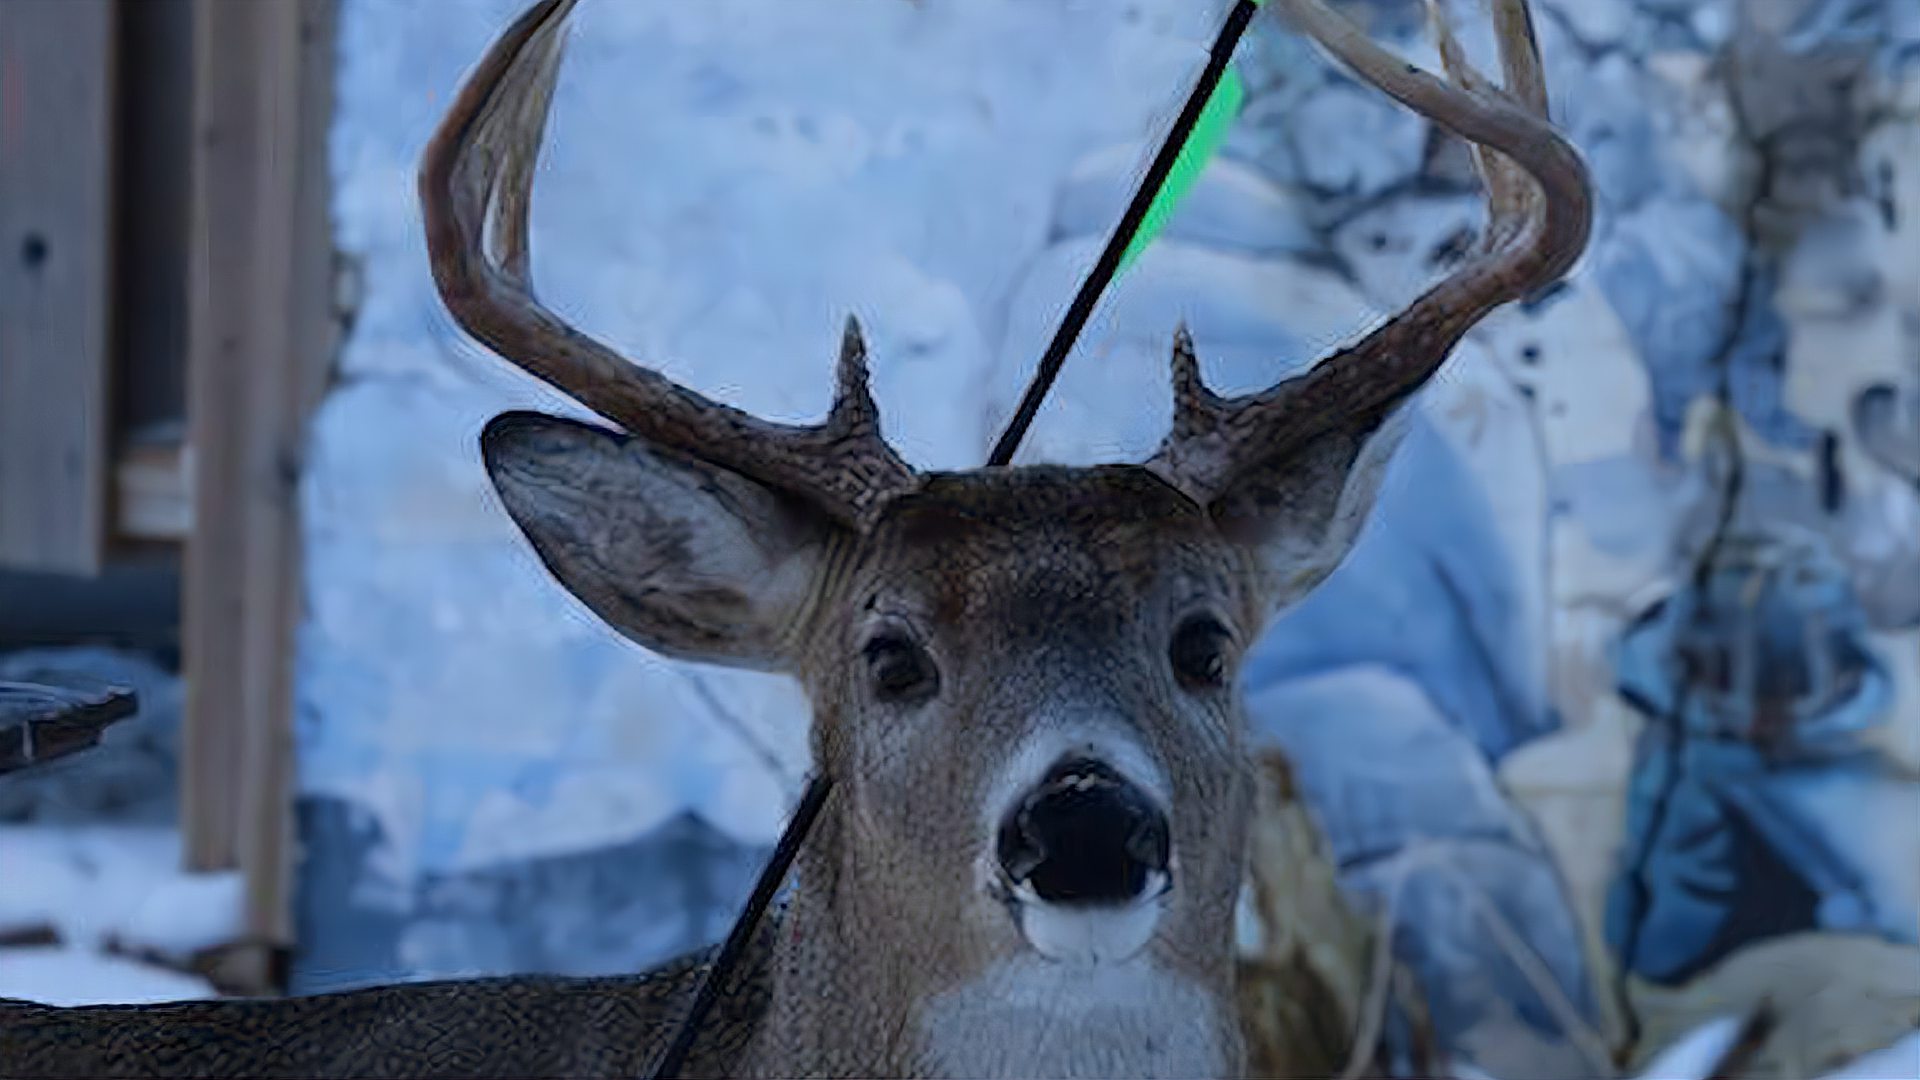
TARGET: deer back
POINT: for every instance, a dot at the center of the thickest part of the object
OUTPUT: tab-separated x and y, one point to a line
520	1026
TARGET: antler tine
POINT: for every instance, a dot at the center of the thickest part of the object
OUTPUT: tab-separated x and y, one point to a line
1193	403
1512	199
1540	210
1526	77
475	188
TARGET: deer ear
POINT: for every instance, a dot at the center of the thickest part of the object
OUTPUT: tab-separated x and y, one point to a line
689	559
1302	511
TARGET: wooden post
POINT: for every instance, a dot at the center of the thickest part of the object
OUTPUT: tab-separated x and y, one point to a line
260	342
57	67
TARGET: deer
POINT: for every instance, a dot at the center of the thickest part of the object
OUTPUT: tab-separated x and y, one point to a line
1022	677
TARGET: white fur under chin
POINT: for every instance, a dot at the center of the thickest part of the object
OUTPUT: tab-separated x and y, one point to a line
1030	1016
1089	935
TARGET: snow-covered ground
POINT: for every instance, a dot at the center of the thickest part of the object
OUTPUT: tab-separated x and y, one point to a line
72	975
93	906
96	888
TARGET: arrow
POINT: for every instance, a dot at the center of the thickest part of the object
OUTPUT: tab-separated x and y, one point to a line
1197	131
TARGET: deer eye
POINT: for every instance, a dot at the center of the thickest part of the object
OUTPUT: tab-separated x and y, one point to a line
1199	652
900	669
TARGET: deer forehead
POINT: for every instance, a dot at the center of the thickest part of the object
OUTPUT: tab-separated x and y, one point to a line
1015	553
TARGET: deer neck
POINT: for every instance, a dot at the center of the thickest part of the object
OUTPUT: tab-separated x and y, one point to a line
864	985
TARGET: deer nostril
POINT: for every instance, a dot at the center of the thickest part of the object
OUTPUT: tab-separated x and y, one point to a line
1085	835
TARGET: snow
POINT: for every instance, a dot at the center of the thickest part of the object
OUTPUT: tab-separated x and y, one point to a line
1695	1055
95	884
1702	1049
70	975
84	881
188	913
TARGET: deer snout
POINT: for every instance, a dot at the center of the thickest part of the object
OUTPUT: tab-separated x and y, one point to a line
1085	835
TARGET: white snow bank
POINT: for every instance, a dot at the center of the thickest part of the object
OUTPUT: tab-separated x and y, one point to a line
1696	1054
92	882
69	975
187	913
1700	1051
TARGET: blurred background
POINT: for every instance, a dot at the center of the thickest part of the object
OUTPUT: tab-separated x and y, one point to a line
1614	713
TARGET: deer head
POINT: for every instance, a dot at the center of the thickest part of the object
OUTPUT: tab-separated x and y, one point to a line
1022	678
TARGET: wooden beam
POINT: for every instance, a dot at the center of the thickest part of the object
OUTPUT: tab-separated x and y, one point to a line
260	343
155	168
56	165
153	493
41	722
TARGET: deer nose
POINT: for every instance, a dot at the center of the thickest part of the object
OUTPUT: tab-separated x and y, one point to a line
1084	835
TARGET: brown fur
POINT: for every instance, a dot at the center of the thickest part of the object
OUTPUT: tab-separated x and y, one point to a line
525	1026
1031	589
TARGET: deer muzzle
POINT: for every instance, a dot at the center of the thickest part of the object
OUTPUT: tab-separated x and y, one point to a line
1085	855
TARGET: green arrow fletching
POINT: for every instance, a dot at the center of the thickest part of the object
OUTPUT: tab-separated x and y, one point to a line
1209	131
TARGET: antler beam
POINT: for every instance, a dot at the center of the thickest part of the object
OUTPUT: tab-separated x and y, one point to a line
475	189
1540	210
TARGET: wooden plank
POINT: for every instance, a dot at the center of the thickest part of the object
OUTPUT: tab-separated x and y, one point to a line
261	338
42	722
56	167
155	141
153	493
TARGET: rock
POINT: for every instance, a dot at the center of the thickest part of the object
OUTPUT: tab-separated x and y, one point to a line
1467	645
615	909
517	708
1486	420
1880	542
1850	295
1353	141
1824	278
1478	921
1262	136
1698	129
1365	745
1597	25
1414	819
1672	273
1402	246
1712	23
1610	118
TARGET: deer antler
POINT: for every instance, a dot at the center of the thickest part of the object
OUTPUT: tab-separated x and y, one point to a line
1540	212
475	188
